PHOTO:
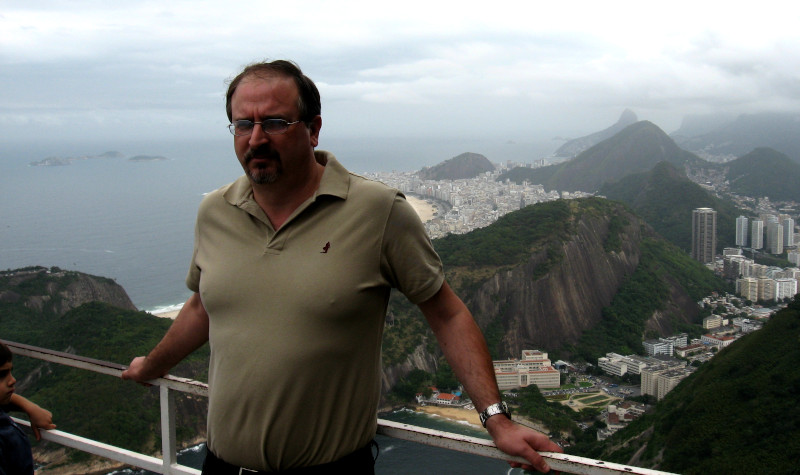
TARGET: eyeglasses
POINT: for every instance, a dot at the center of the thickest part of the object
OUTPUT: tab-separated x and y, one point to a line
242	128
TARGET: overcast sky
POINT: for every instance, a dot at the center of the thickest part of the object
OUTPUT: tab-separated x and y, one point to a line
510	70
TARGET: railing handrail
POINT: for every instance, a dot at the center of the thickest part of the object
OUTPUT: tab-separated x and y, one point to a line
168	465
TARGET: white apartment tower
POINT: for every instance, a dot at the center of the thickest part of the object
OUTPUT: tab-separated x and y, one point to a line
757	236
741	231
788	232
704	234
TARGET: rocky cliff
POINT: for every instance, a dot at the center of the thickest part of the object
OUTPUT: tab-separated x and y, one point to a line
58	291
549	311
562	268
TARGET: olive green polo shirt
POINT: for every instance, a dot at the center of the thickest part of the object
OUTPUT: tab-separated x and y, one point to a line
296	315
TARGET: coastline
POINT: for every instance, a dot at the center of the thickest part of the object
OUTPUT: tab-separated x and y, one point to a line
456	414
424	209
171	314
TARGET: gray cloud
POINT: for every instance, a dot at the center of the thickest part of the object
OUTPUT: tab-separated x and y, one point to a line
146	69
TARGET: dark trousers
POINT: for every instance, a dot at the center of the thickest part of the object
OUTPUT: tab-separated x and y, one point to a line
359	462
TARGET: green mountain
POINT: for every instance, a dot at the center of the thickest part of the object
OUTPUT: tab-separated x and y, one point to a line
765	172
574	277
635	149
737	413
665	198
93	405
464	166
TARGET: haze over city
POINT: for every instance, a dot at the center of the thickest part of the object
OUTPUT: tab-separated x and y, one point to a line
513	71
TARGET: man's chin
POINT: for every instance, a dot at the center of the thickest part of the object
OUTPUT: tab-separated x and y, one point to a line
261	177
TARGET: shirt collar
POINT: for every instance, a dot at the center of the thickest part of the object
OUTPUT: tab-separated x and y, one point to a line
335	181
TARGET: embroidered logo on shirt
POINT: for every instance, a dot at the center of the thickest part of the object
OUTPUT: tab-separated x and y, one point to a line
325	248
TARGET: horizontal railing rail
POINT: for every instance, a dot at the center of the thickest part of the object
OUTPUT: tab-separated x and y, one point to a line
168	463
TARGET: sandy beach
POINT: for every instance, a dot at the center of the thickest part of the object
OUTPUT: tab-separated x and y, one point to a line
452	413
170	315
422	207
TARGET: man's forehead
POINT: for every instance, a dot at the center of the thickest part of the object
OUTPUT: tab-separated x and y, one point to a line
268	78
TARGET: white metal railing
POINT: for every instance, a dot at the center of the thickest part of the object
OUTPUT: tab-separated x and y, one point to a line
168	465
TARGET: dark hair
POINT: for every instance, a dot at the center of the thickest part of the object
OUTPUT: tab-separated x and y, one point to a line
308	103
5	354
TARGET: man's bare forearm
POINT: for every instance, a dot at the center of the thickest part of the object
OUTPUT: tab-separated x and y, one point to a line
188	332
463	346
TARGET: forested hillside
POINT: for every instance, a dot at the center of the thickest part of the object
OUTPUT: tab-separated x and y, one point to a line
102	407
737	413
665	198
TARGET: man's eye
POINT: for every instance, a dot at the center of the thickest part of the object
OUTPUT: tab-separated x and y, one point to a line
244	124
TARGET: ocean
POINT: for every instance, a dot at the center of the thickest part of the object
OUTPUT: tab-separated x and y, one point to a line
133	221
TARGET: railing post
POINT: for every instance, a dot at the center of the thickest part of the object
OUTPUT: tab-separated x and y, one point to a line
168	444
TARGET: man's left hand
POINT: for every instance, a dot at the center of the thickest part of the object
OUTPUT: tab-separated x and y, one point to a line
521	441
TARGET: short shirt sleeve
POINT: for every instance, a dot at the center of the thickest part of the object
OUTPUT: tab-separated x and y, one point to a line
409	261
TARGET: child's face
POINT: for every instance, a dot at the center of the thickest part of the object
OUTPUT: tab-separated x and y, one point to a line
7	382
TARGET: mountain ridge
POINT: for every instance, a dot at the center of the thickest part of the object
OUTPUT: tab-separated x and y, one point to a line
637	148
464	166
575	146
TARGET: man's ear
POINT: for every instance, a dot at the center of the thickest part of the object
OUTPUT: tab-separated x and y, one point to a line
313	130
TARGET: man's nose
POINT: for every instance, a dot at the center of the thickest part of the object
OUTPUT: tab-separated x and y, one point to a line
258	136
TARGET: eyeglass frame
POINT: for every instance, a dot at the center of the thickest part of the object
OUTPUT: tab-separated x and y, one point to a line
287	124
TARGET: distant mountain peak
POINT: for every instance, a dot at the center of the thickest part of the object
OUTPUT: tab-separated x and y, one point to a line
573	147
635	149
464	166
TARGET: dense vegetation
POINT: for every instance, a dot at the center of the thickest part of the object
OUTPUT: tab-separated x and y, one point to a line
765	172
646	291
511	239
737	412
102	407
665	198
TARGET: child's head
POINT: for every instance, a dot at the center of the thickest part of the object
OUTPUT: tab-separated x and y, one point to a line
7	381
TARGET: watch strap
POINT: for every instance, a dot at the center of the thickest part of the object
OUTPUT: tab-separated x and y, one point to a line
493	410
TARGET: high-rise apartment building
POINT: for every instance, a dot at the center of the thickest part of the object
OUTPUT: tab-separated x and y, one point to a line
748	288
704	234
788	232
784	288
757	236
775	238
741	231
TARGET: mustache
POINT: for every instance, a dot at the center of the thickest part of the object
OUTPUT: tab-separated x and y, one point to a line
262	151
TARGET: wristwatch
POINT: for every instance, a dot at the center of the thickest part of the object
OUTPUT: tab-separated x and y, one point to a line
493	410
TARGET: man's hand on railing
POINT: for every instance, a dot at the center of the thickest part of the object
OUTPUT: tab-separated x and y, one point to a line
521	441
140	371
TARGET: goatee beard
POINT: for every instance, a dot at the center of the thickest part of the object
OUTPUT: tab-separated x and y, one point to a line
261	176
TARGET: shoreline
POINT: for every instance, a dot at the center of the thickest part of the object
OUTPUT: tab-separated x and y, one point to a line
171	314
424	209
456	414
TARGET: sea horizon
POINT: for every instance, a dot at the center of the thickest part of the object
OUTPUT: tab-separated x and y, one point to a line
133	222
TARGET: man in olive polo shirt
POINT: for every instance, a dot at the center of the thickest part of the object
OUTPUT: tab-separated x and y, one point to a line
292	268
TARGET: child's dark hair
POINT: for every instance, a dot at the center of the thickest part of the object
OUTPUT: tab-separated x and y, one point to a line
5	354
